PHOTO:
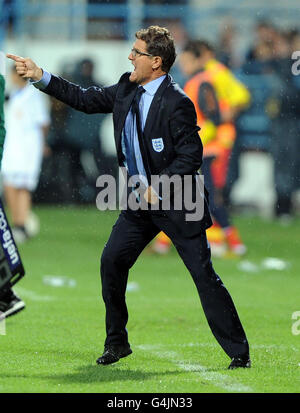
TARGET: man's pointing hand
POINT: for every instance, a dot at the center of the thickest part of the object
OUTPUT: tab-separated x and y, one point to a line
26	67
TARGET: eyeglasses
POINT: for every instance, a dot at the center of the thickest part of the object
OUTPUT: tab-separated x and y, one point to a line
136	52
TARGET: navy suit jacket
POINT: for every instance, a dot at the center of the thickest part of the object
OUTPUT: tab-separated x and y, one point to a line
171	117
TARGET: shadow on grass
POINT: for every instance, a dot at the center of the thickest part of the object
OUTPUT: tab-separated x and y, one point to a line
98	374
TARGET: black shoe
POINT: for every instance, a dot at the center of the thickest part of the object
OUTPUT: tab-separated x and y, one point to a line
10	306
113	353
238	362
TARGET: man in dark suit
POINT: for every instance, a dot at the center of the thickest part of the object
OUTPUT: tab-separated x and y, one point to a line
156	133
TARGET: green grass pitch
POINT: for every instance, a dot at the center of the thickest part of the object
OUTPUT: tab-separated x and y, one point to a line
53	344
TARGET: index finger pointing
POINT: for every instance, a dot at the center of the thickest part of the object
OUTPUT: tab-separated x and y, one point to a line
15	58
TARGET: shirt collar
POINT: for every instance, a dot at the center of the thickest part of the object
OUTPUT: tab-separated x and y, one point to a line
152	86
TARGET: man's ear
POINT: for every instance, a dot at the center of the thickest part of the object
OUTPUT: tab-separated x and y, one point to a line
156	63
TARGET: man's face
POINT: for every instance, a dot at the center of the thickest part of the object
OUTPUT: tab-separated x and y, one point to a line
189	63
143	65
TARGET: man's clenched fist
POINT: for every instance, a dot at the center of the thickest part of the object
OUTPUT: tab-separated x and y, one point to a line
26	67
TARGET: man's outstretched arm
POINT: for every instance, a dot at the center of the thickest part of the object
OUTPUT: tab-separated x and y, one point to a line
91	100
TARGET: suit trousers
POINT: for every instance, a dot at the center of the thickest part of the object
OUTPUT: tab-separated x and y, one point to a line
130	235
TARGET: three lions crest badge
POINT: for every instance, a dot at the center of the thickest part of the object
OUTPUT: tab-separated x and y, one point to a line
158	144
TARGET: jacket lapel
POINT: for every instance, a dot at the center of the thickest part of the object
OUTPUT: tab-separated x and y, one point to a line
155	105
122	110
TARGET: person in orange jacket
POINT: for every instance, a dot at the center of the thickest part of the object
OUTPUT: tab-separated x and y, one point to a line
218	98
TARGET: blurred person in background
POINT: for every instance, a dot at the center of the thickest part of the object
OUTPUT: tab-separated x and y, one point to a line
294	37
265	33
253	126
83	134
10	303
26	129
283	109
226	50
267	72
180	37
55	183
76	147
218	97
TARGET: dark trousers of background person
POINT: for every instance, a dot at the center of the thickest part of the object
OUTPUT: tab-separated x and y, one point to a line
217	208
131	233
65	180
233	170
285	148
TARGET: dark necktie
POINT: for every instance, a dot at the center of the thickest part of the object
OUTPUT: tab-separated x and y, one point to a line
129	141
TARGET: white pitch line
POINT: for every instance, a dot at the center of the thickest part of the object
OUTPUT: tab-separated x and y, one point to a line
253	346
31	295
274	347
217	379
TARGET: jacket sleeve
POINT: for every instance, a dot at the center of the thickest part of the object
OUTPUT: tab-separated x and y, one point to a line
91	100
2	128
187	144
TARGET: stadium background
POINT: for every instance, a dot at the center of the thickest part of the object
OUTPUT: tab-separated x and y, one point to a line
58	35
